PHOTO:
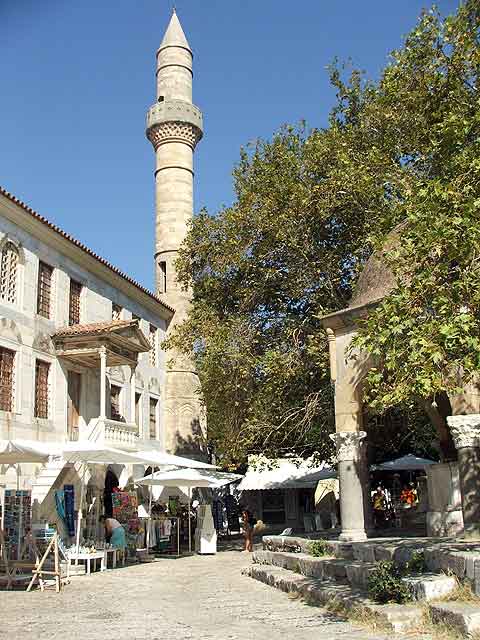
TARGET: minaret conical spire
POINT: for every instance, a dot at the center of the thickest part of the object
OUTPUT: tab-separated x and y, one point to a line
174	35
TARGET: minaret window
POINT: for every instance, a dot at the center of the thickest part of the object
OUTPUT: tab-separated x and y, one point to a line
161	98
8	273
163	277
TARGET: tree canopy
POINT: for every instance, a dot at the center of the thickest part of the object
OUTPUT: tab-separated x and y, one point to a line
311	205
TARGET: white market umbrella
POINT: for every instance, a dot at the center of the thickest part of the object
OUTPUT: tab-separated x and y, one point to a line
18	451
405	463
92	453
163	459
189	478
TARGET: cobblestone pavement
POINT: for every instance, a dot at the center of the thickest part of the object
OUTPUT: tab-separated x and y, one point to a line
194	598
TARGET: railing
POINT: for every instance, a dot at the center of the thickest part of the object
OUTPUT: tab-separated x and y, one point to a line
120	435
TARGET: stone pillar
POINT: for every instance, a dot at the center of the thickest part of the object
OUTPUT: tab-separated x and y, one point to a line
103	383
465	432
351	474
132	395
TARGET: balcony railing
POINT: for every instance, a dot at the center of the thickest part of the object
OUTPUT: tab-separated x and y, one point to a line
120	435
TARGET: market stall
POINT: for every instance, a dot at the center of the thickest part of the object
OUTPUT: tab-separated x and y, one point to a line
188	479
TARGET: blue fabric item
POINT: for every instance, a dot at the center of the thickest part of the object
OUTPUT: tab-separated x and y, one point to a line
118	538
69	502
60	504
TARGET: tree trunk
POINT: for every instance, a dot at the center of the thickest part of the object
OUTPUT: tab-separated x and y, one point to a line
438	413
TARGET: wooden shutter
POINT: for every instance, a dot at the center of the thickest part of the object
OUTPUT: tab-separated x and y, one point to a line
7	359
44	289
41	388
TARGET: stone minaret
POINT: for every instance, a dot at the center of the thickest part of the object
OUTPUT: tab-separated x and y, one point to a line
174	126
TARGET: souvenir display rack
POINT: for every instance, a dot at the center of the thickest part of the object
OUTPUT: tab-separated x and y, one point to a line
16	520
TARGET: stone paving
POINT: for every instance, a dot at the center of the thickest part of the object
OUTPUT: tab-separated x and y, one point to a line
194	598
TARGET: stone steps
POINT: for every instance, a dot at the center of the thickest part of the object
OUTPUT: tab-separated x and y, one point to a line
354	573
395	617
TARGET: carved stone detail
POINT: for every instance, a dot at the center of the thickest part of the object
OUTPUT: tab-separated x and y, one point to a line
174	132
465	430
348	444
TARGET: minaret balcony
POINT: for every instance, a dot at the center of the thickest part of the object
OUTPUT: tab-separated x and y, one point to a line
174	111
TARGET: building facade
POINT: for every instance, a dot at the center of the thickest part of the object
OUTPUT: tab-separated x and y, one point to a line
80	342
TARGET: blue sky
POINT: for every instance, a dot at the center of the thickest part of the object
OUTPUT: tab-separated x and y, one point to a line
78	77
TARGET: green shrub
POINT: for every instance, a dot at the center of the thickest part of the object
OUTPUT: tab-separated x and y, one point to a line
385	584
319	548
416	564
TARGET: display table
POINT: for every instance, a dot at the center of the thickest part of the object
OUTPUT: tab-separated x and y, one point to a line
116	555
89	557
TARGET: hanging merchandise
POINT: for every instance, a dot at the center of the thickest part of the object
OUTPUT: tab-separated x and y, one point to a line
17	519
69	502
173	505
125	510
232	513
217	512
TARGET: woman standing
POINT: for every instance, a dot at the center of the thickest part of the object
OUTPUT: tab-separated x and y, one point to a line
248	524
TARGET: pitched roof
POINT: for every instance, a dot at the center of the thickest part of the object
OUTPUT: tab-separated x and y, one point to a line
94	328
83	247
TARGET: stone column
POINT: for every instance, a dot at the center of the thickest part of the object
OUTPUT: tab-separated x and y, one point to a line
103	383
351	474
132	395
465	432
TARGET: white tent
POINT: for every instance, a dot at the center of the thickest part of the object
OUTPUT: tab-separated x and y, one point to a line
189	478
405	463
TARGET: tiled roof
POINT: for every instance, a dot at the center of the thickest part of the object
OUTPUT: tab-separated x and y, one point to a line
83	247
95	327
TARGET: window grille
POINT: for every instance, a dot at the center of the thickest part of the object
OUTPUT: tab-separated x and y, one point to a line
42	370
7	359
74	308
115	403
153	418
8	273
44	289
116	312
153	345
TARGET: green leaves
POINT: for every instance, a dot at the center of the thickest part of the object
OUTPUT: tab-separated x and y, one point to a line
310	207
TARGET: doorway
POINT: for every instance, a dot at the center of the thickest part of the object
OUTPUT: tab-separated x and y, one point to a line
73	409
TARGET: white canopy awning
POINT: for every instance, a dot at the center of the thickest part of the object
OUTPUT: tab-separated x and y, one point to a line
283	473
93	453
189	478
163	459
18	451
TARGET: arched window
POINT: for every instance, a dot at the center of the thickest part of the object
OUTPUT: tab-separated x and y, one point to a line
8	272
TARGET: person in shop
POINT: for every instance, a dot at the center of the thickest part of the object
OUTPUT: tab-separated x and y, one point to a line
379	507
248	524
408	496
114	532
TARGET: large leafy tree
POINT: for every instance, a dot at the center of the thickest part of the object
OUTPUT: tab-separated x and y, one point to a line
425	336
310	207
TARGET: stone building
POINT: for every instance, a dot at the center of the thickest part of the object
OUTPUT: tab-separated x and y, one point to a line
80	341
